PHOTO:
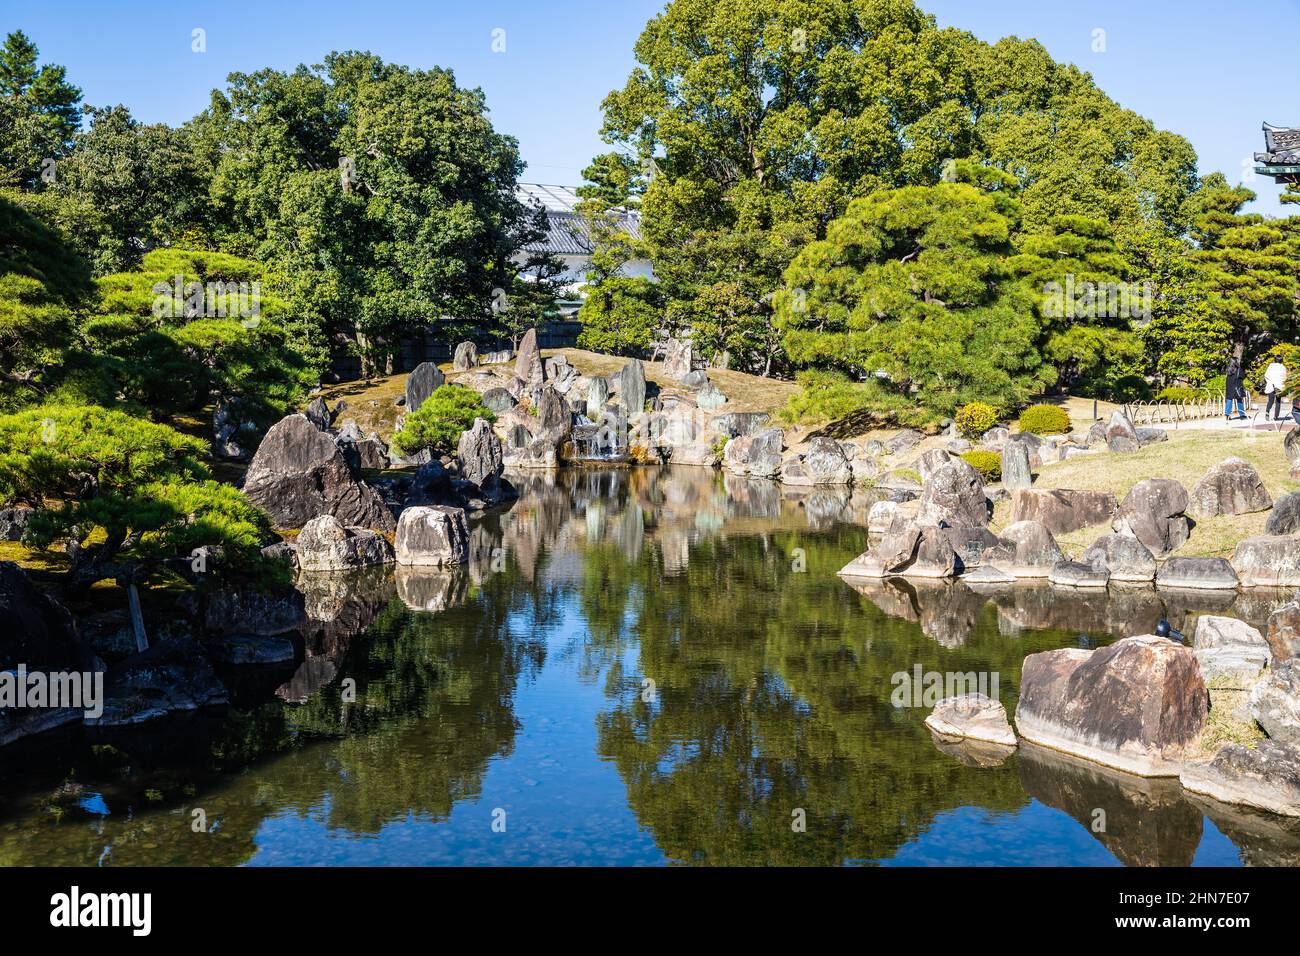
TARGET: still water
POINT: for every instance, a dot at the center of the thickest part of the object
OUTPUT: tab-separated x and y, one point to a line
639	667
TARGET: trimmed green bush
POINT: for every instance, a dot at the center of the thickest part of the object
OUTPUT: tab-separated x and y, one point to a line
987	463
974	419
1045	420
823	396
439	422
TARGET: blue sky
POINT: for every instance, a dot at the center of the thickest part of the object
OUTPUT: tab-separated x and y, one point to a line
1209	71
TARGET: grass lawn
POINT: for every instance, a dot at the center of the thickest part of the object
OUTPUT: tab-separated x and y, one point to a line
1185	457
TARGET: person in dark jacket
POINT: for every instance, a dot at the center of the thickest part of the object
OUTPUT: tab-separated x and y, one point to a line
1233	392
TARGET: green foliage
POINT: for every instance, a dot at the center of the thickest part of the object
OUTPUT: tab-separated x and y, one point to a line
974	419
1180	394
911	284
619	316
123	490
987	463
1045	420
1284	352
441	420
823	396
39	113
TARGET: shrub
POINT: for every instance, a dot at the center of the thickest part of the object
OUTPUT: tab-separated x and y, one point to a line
987	463
1128	388
823	396
1044	420
1176	394
439	422
975	418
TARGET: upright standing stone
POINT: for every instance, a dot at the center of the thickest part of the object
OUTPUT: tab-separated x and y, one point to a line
420	384
479	452
432	536
528	366
678	358
631	387
597	395
1015	466
466	356
318	413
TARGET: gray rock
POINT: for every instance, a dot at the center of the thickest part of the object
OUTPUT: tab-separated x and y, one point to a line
931	461
1154	512
1285	518
954	497
1210	574
1121	436
972	717
1275	702
528	365
1149	436
318	414
234	432
1123	557
499	400
710	397
910	551
1291	445
480	453
254	650
1229	651
1232	487
995	437
735	424
908	438
758	456
14	523
1015	466
1062	510
631	387
823	464
1138	705
1030	550
170	677
299	473
1265	777
597	396
424	379
677	359
1268	561
432	536
1075	574
326	545
243	610
466	357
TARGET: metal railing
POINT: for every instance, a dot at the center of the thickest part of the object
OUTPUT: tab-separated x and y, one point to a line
1164	412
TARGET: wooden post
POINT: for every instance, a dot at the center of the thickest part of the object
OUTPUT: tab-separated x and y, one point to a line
137	617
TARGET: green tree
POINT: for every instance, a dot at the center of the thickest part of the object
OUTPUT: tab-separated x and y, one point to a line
620	315
911	286
39	113
440	421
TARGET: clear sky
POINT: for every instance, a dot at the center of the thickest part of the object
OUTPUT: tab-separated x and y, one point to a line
1211	71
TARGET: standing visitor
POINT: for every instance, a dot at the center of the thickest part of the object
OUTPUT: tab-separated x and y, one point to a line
1274	381
1232	390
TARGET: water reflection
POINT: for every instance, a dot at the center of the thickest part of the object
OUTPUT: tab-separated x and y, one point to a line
635	666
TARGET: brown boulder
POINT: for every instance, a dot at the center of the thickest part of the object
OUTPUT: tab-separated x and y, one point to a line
1232	487
1154	512
954	497
1284	632
1063	510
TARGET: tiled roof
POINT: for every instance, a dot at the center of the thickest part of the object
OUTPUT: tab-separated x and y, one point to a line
568	234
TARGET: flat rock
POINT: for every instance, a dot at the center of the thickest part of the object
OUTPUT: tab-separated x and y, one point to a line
1265	777
1137	705
1208	574
1075	574
972	717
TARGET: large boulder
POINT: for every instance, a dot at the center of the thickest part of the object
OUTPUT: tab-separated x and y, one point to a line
421	383
1154	512
1199	574
528	364
824	463
40	634
735	424
1029	551
954	497
1123	557
325	545
299	473
1138	705
1121	436
631	387
479	451
499	400
466	357
1229	650
1285	518
910	551
14	523
432	536
758	456
1232	487
678	357
1268	561
1284	631
1291	445
318	413
1062	510
931	462
710	397
1016	471
972	717
597	396
1264	777
1275	702
171	677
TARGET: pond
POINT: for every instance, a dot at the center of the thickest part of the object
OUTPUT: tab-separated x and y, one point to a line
638	667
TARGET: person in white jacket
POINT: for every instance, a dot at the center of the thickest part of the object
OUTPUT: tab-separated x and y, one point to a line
1274	384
